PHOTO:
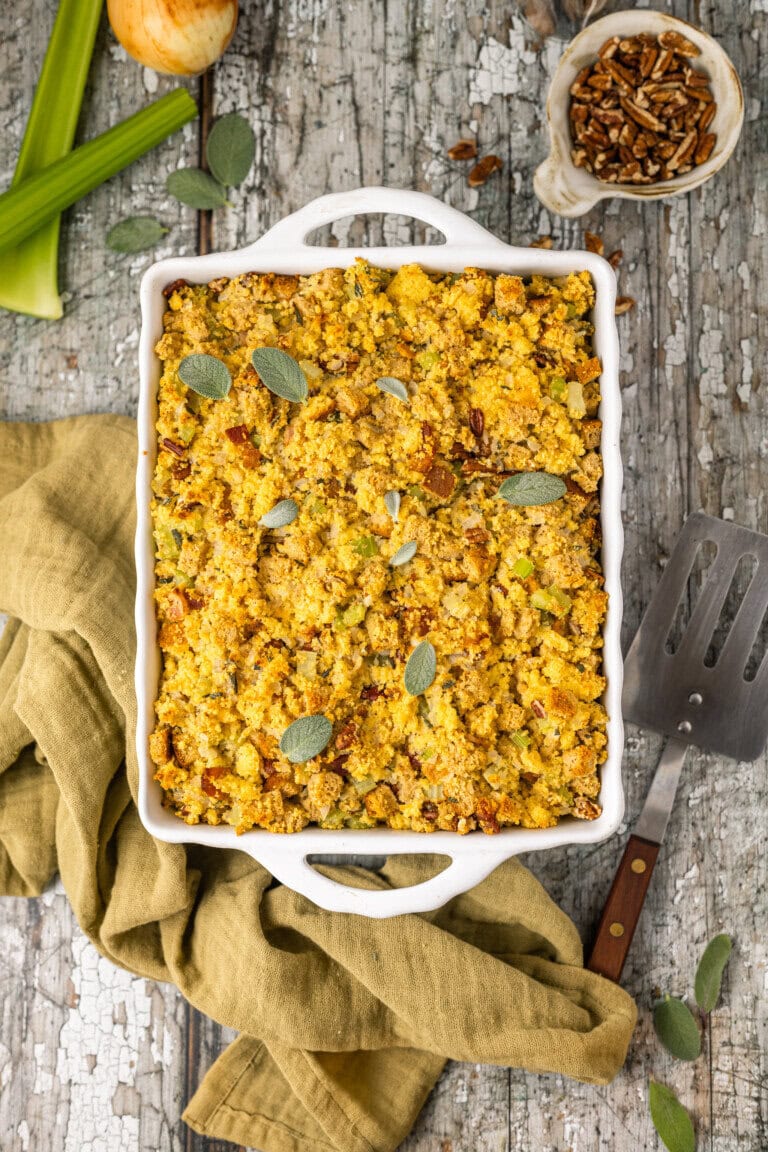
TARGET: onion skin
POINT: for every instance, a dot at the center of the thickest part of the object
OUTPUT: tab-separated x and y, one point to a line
177	37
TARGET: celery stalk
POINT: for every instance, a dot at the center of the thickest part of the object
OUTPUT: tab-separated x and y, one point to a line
29	281
25	207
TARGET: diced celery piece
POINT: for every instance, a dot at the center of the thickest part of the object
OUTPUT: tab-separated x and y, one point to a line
355	614
366	546
542	600
522	568
427	359
168	547
334	819
521	738
558	387
560	596
576	405
364	786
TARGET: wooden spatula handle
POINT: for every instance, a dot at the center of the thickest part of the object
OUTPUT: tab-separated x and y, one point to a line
622	908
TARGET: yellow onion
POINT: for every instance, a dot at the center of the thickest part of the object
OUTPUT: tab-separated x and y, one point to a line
180	37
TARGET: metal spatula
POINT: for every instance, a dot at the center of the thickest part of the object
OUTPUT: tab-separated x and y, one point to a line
691	696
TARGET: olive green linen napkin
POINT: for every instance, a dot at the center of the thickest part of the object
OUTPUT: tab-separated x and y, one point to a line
345	1022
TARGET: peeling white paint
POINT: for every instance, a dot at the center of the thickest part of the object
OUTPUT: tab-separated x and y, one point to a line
91	1030
501	70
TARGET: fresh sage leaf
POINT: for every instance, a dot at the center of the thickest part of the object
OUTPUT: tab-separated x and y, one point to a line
135	234
305	738
392	502
404	554
676	1028
230	149
393	387
196	188
529	488
281	374
709	974
420	669
206	375
283	513
671	1120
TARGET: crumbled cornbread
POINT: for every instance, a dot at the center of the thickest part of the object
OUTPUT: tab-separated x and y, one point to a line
259	627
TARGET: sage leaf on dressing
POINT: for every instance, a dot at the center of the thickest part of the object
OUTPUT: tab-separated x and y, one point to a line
532	488
392	504
393	387
281	374
206	375
283	513
420	669
306	738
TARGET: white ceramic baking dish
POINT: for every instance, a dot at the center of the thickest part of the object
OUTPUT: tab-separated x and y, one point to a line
283	249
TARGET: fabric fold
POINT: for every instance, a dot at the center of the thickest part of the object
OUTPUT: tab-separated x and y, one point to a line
345	1022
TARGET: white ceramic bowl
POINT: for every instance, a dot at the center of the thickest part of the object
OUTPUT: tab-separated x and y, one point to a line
283	249
572	191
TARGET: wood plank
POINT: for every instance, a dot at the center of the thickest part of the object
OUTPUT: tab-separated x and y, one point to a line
339	98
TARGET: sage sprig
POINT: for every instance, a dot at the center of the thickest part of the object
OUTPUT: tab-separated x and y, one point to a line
420	669
230	149
405	553
709	974
393	387
392	504
206	375
676	1028
196	189
670	1119
532	488
306	738
283	513
135	234
281	374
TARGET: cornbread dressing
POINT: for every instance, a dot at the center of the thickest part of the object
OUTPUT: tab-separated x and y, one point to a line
260	626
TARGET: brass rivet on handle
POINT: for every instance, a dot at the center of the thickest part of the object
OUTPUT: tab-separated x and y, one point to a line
616	929
638	865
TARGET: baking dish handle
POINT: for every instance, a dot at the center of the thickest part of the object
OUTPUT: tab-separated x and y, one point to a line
458	229
461	875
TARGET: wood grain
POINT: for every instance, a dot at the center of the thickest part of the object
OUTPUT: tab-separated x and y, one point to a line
346	92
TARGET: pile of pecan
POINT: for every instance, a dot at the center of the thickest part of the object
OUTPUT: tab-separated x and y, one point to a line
640	114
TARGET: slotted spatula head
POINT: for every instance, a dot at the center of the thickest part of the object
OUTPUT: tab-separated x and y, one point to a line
679	694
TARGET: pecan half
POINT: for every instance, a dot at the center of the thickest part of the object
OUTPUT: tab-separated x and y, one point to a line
483	169
463	150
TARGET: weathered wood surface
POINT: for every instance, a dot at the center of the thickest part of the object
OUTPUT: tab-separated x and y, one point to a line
349	92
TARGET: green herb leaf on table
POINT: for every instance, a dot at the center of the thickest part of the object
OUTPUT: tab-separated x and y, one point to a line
405	553
392	503
135	234
230	149
709	974
671	1120
196	189
206	375
281	374
283	513
305	738
420	669
393	387
676	1028
532	488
